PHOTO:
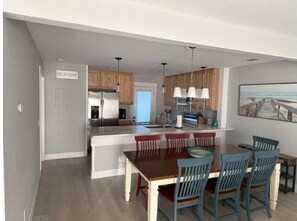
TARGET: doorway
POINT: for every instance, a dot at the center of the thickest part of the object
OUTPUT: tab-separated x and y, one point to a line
41	115
144	108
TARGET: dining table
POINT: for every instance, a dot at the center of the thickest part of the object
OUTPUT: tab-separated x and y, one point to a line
159	167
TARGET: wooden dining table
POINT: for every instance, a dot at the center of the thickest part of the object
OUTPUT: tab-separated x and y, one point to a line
159	167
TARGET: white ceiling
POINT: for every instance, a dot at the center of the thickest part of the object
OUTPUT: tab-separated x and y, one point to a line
139	56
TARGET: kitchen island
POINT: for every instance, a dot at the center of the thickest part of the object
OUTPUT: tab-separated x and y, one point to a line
109	143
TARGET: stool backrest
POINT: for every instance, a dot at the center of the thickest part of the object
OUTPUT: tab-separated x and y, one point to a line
204	139
233	169
180	140
264	144
148	142
263	166
195	172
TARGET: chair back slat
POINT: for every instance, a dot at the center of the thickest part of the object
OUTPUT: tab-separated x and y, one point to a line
177	140
233	169
263	166
264	144
195	172
204	139
148	142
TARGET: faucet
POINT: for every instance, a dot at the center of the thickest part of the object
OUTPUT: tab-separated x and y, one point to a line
162	119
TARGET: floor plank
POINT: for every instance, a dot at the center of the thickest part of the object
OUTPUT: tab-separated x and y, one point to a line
67	193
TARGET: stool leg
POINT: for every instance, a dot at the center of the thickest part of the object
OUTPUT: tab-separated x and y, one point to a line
286	179
294	179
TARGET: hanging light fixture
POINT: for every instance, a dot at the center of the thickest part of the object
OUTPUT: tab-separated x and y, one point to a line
191	91
118	84
204	91
163	87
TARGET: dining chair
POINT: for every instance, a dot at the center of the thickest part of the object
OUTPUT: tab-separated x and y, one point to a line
258	181
180	140
264	144
204	139
190	185
227	185
146	143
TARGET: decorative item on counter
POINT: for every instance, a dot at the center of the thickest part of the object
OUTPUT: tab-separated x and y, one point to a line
200	118
179	122
214	123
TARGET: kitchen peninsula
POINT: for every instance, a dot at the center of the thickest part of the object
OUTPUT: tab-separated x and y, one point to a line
109	143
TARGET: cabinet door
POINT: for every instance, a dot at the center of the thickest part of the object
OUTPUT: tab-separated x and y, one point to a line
169	88
126	81
107	80
93	79
212	77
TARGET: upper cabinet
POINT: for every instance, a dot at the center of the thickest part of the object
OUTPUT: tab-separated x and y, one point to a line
207	78
108	80
126	81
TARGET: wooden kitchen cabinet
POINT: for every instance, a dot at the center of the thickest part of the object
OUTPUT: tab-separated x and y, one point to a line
103	80
204	78
126	81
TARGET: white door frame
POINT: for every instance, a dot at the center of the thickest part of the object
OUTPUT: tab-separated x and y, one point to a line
41	114
146	86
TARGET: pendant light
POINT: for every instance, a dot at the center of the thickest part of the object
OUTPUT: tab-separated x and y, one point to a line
118	84
191	91
163	87
204	91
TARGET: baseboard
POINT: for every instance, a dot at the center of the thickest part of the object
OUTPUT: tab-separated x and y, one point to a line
34	199
109	173
65	155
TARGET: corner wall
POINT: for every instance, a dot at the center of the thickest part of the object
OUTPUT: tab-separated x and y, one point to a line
246	127
65	112
21	131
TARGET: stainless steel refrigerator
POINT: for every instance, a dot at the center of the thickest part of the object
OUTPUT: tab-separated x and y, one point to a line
103	109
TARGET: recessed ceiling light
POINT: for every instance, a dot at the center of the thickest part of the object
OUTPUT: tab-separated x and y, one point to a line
252	59
60	59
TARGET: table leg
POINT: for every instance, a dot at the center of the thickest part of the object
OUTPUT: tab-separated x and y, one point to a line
128	179
274	185
152	201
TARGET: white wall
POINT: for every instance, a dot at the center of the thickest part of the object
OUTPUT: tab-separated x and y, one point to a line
140	21
245	127
21	131
65	111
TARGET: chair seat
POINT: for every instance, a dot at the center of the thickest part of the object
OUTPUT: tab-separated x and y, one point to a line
253	188
168	192
211	186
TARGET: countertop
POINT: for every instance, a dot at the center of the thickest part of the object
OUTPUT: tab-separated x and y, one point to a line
141	130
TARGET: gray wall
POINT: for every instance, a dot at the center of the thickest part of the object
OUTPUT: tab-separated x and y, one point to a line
245	127
65	109
21	131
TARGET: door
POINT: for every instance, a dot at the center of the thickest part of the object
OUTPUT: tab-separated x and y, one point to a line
144	107
41	114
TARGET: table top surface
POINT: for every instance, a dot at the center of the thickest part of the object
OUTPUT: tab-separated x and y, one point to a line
162	163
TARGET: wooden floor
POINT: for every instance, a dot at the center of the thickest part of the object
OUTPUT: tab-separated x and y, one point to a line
66	192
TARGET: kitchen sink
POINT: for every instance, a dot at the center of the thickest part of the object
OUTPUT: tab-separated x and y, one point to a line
159	126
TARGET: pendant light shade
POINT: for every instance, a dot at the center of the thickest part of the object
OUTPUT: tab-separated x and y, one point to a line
184	93
198	93
177	92
118	84
163	87
191	90
204	93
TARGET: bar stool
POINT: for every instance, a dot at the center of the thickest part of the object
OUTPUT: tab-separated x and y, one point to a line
146	143
204	139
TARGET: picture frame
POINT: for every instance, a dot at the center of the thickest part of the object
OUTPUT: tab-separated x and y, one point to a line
274	101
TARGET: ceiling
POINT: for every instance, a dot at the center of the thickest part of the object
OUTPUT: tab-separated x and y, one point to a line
139	56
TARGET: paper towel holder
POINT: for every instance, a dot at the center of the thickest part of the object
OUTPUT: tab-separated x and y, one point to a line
179	122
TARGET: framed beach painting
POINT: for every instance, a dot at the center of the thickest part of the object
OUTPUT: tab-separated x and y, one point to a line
269	101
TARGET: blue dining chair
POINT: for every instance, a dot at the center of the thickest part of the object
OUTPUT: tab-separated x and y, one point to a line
263	144
227	185
258	181
189	188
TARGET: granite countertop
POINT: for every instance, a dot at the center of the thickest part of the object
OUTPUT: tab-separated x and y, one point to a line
141	130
